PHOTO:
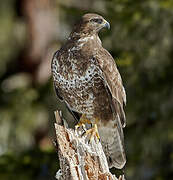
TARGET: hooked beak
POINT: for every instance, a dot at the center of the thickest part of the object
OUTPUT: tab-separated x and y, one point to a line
107	25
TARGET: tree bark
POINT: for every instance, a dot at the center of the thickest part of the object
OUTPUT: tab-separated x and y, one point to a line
80	160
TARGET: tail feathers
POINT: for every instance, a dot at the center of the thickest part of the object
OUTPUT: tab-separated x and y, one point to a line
112	140
115	152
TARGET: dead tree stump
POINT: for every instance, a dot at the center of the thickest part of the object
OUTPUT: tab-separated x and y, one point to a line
78	159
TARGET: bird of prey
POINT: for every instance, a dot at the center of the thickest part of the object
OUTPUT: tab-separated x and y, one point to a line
86	78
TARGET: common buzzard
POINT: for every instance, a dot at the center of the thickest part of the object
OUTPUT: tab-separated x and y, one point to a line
86	78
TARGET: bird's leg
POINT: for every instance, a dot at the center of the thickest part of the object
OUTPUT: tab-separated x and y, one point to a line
93	131
83	120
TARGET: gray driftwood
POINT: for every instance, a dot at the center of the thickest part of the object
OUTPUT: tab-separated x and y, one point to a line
78	159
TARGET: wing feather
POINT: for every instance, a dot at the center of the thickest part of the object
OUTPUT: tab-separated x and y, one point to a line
113	81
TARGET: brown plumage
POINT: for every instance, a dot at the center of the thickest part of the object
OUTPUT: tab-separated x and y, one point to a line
87	79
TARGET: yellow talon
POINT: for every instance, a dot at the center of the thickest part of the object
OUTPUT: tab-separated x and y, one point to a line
94	132
83	120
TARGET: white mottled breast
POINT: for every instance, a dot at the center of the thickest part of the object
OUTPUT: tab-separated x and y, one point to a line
74	83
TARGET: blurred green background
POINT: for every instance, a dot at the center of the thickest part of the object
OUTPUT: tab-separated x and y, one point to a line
141	42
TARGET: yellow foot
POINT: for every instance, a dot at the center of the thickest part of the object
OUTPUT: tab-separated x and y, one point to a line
83	120
93	132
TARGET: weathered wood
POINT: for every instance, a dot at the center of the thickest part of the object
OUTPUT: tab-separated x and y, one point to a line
78	159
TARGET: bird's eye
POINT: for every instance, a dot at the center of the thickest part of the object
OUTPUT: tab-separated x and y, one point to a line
99	21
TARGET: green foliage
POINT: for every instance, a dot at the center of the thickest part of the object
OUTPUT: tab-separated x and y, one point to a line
33	164
140	41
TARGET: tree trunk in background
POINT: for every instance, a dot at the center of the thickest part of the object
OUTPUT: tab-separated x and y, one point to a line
42	30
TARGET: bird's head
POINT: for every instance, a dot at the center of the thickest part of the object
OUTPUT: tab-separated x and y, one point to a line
91	24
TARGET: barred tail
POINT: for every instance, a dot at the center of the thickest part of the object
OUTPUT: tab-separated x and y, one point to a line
112	140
